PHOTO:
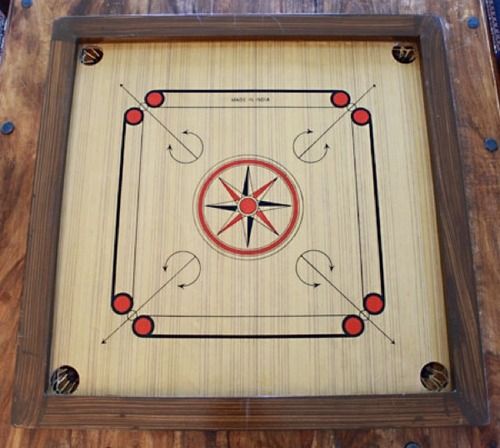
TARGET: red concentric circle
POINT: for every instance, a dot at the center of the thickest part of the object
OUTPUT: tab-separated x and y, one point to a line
247	206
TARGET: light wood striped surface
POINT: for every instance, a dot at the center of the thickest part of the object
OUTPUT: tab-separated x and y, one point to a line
262	295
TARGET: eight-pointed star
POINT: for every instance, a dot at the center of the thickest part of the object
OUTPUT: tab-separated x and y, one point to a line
246	205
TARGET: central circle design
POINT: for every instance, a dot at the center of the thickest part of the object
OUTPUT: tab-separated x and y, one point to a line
248	207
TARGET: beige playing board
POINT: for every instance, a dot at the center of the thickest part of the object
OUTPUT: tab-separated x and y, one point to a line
248	219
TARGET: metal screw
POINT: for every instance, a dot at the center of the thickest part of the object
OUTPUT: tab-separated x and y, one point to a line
26	3
490	144
473	22
412	445
7	128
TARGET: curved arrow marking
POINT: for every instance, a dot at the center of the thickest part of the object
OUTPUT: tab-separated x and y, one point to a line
300	155
302	257
193	258
170	149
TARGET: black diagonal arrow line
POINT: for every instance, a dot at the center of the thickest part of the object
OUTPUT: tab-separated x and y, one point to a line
348	110
347	298
192	282
150	298
322	253
159	122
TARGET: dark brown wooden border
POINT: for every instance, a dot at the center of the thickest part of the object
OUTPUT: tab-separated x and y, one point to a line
467	404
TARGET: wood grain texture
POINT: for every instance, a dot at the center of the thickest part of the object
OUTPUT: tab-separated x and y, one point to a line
70	327
227	285
56	106
22	81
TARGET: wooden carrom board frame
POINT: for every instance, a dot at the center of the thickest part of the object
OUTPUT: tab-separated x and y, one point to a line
466	404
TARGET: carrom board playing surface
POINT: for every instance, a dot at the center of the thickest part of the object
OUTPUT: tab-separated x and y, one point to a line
248	218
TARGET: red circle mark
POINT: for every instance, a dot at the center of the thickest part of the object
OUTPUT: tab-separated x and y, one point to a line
361	116
154	98
353	325
374	303
143	326
248	206
134	116
340	98
122	303
261	250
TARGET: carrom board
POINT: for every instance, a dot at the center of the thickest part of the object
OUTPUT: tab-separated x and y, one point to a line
249	222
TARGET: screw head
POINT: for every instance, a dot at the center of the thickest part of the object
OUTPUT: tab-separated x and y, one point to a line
490	144
473	22
7	128
412	445
26	3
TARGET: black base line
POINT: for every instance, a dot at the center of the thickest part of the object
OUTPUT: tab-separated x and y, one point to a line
245	107
118	210
246	336
378	225
243	316
360	250
137	210
246	90
377	209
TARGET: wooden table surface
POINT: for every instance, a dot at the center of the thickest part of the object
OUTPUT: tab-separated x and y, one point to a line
22	76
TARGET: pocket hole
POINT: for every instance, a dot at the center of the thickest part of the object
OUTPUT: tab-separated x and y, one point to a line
91	55
64	380
404	53
434	376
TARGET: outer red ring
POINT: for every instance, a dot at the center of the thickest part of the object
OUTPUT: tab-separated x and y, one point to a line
248	252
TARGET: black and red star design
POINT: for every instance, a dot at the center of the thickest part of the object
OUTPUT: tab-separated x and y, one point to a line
262	232
248	205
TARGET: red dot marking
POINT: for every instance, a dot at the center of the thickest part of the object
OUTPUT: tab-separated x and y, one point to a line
340	99
143	325
248	206
134	116
155	99
353	325
122	303
360	116
373	303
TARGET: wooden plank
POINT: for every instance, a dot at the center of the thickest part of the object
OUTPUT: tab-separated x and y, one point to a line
244	27
477	110
28	403
453	227
269	413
